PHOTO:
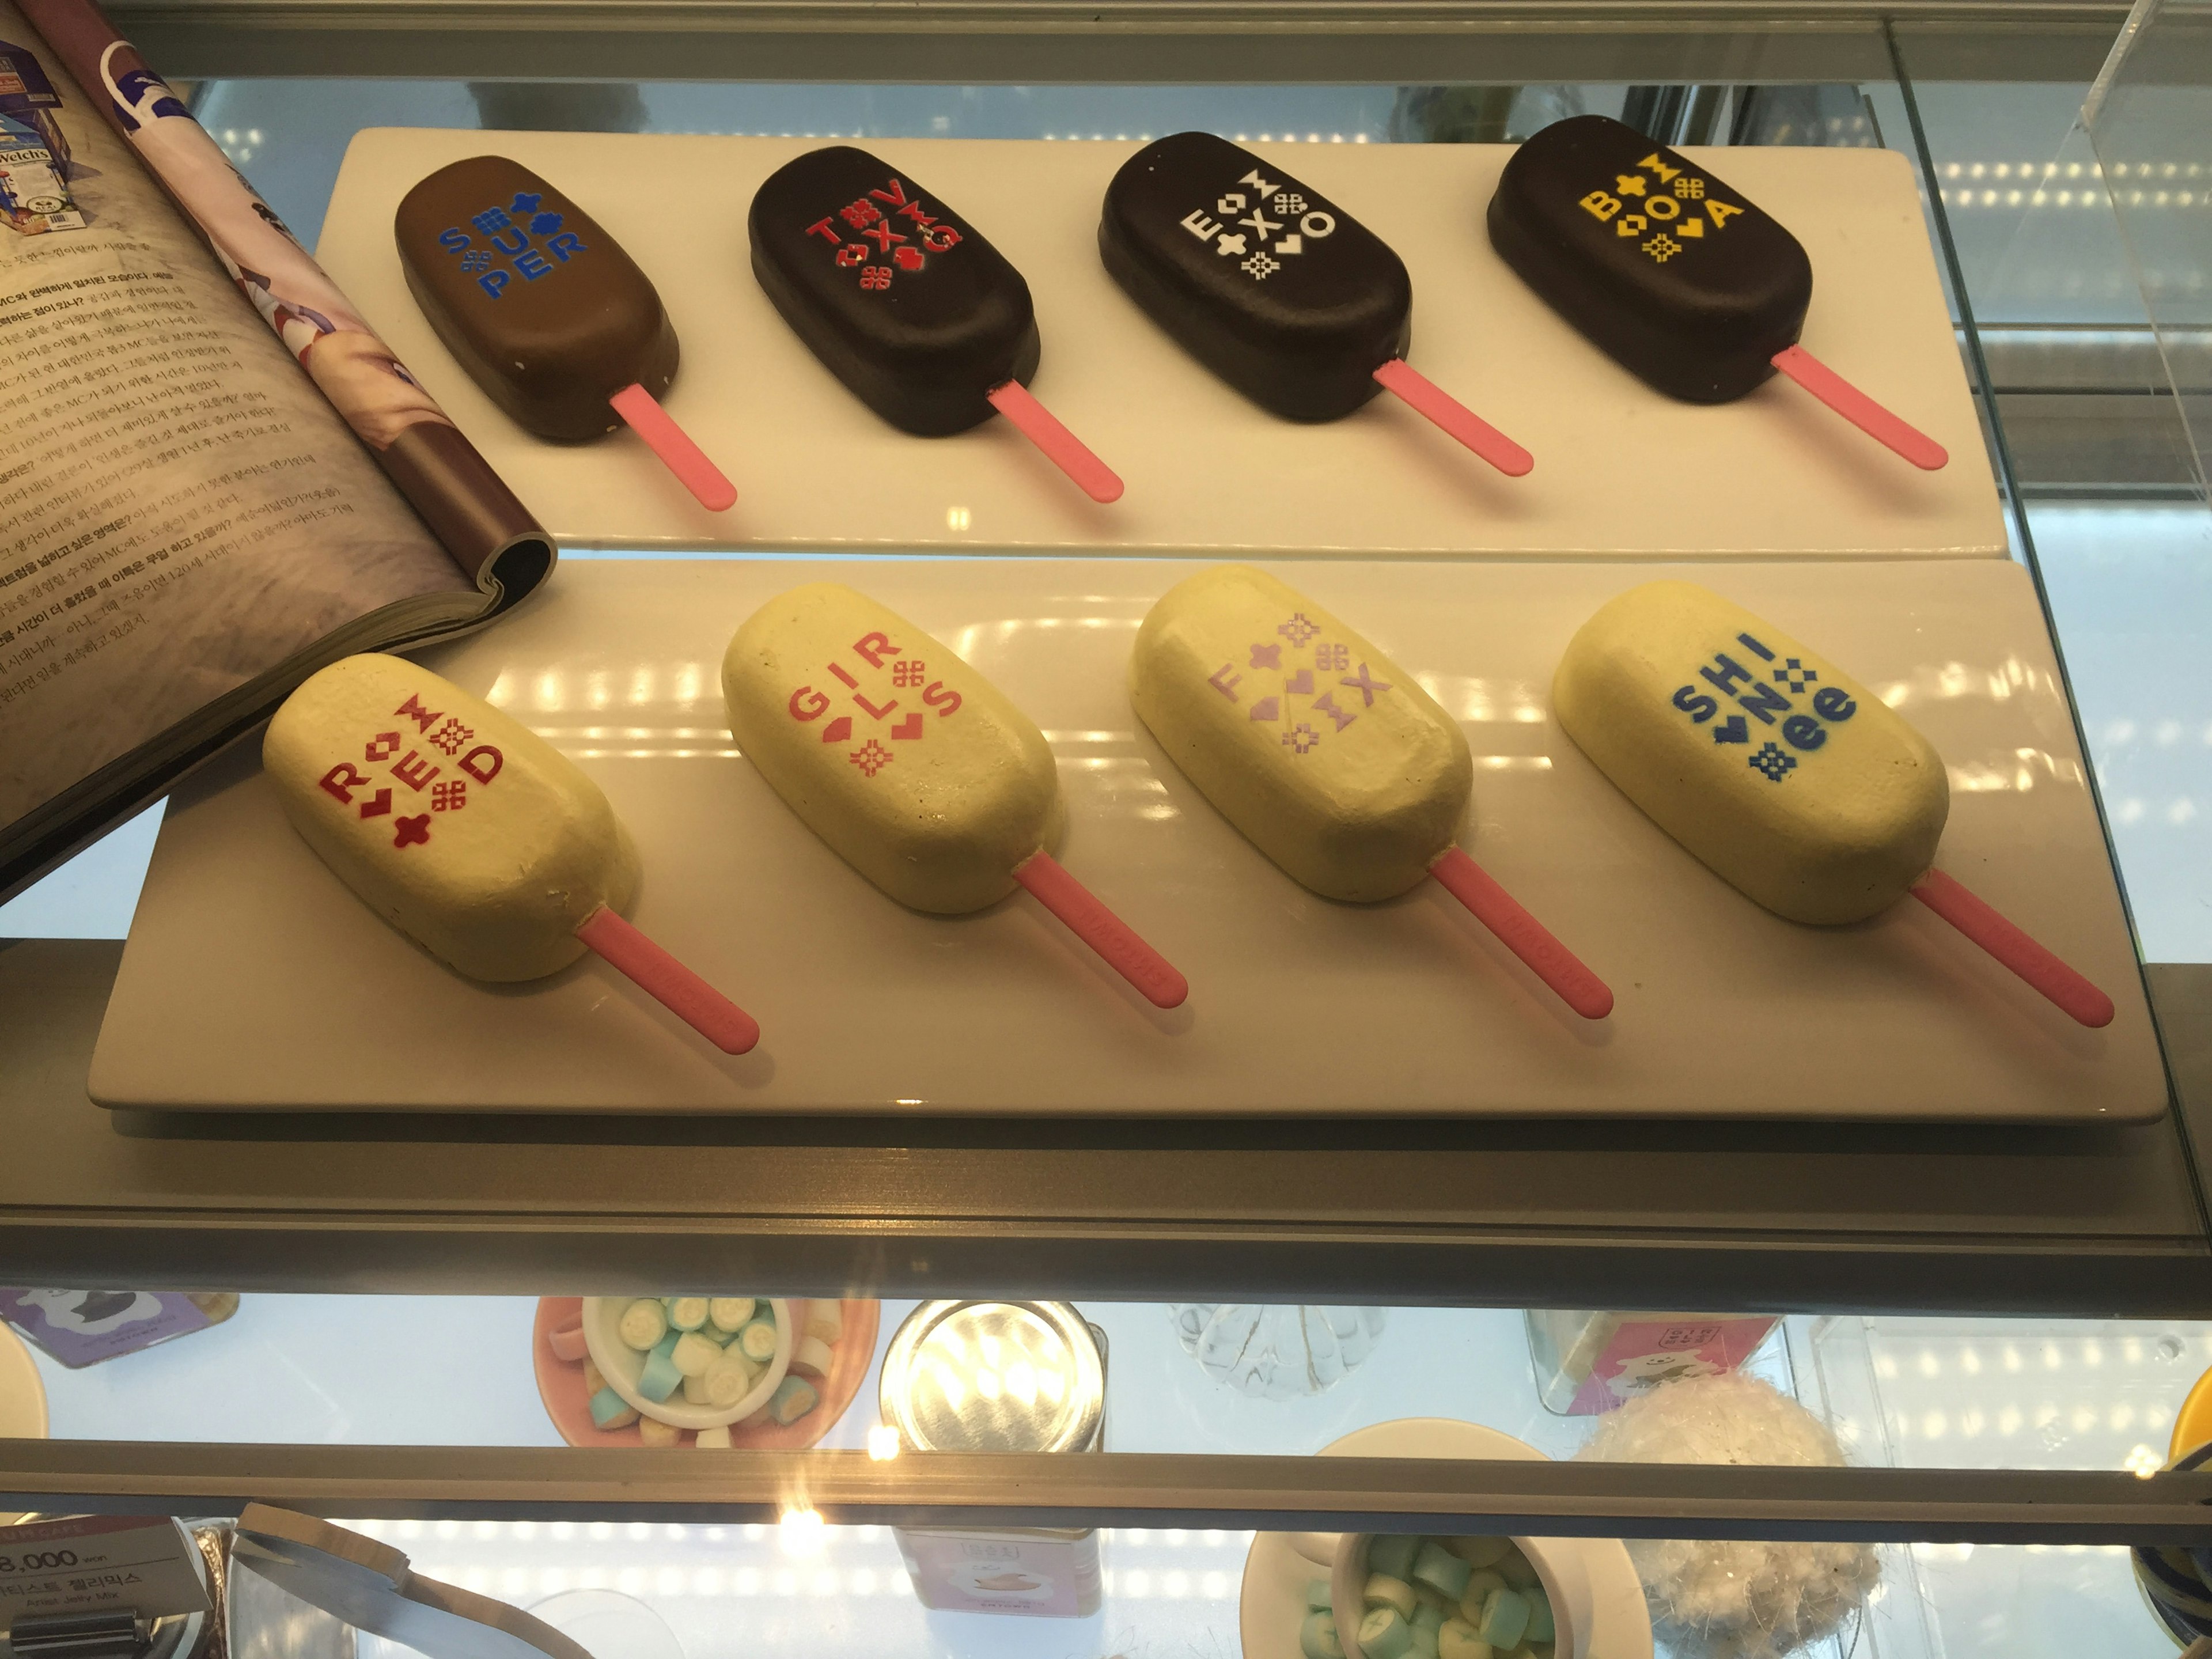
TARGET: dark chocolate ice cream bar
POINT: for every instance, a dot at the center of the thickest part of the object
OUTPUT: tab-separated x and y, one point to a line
1270	285
1681	279
544	309
904	301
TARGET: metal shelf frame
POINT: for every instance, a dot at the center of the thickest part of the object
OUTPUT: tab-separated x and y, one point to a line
1121	1489
1414	42
1794	1216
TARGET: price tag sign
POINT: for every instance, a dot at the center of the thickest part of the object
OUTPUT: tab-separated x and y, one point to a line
142	1563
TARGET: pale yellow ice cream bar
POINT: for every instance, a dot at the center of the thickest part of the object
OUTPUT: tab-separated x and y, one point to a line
458	824
469	833
1326	755
1790	779
915	769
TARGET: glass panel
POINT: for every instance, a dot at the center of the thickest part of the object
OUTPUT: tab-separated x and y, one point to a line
2096	439
1903	1393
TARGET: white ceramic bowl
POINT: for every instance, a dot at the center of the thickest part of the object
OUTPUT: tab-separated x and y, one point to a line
1561	1564
620	1363
1282	1565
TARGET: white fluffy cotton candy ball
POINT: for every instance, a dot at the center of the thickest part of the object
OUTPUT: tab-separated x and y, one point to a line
1734	1601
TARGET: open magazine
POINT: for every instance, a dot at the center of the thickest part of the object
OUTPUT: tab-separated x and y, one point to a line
213	477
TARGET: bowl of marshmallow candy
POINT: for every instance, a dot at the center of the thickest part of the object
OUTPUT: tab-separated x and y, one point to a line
692	1362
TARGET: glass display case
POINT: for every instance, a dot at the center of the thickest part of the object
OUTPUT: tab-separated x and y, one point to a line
1942	1364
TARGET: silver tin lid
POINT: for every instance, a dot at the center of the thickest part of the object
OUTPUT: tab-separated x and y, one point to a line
995	1376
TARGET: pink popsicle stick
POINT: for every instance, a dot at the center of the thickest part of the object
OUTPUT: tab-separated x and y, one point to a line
1975	919
1061	447
1526	937
1102	930
1430	399
673	445
1861	411
669	982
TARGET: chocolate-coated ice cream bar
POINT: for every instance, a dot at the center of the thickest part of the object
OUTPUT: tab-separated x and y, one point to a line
1271	286
905	302
548	315
1680	278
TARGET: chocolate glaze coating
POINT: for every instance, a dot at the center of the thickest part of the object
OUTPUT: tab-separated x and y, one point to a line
541	306
900	297
1272	287
1678	276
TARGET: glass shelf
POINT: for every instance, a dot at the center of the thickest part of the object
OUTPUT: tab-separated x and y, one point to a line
1900	1392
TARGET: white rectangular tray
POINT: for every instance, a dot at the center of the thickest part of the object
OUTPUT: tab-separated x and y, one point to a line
1621	470
253	980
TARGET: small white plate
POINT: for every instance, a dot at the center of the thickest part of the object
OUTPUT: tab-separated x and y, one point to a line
1273	1604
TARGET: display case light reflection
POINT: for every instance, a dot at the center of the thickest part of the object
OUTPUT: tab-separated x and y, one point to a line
800	1530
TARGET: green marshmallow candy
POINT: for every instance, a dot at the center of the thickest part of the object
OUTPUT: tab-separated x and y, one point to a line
611	1411
1427	1621
1480	1583
1392	1553
660	1378
642	1323
1540	1628
1384	1634
1504	1619
1317	1638
1438	1567
1384	1591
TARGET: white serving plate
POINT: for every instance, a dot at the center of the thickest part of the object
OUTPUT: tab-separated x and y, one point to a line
1621	470
1271	1604
253	980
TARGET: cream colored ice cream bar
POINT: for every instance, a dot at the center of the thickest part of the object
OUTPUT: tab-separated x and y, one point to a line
459	826
1326	754
1787	777
911	765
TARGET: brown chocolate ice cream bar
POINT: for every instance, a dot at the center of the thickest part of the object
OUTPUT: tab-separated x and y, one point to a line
540	305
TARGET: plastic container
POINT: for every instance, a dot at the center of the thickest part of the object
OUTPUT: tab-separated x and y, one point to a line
1589	1362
